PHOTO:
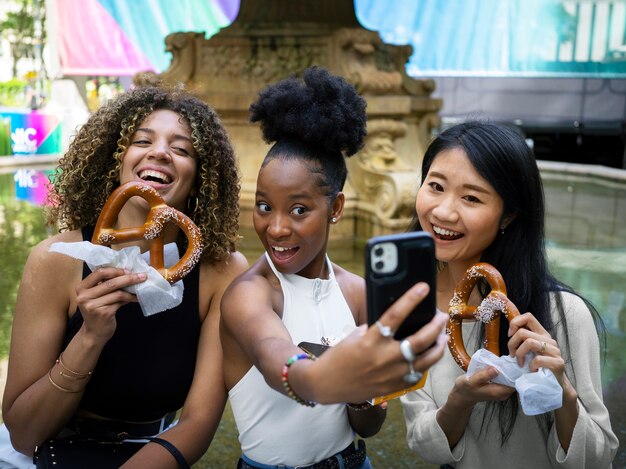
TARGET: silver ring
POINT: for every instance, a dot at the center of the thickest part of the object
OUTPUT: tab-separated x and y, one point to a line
385	331
407	351
543	348
413	376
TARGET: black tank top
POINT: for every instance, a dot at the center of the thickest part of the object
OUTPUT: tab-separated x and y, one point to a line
146	368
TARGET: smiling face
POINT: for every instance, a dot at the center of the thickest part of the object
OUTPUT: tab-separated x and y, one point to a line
161	155
459	208
291	216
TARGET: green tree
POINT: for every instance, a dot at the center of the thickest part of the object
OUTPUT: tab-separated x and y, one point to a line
24	30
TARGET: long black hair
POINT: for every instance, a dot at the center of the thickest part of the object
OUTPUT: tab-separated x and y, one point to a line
502	157
319	118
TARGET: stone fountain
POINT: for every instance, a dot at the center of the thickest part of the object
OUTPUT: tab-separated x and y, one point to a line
271	40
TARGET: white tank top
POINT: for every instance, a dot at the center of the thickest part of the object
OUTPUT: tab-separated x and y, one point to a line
273	428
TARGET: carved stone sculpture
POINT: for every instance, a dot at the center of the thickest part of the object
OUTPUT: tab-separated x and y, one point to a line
270	41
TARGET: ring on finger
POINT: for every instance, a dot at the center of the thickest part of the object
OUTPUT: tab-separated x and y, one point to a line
413	376
385	331
543	348
407	351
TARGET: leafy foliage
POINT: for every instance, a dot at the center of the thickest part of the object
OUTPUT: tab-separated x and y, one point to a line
13	93
21	227
20	29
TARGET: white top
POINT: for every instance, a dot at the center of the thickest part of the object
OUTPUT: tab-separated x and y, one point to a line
273	428
593	443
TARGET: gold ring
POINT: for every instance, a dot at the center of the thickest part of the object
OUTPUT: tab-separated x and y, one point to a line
543	347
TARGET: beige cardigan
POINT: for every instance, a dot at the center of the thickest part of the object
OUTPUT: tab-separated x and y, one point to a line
593	442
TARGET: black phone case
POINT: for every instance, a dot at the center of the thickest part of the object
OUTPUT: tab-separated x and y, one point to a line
312	348
416	262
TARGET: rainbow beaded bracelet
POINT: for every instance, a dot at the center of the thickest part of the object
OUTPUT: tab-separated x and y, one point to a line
285	379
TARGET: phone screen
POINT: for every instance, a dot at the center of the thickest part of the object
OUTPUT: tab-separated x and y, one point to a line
393	264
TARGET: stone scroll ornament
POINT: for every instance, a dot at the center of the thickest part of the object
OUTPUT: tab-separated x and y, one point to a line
488	311
152	230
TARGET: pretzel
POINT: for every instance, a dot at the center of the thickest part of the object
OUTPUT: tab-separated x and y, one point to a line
151	230
488	311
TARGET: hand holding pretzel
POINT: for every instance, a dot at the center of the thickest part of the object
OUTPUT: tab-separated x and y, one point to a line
488	311
151	230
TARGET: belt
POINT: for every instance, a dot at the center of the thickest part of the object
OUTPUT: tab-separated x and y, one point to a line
118	430
350	458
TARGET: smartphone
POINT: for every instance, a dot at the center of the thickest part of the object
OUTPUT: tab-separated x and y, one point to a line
393	264
314	349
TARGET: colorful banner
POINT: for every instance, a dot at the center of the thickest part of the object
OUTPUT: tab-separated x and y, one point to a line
449	38
121	37
32	185
519	38
31	132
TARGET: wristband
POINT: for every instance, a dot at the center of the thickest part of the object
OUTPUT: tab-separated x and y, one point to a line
182	463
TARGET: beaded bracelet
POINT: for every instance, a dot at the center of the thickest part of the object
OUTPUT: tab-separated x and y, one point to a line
290	392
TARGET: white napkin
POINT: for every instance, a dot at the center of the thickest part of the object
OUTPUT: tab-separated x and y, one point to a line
539	391
155	294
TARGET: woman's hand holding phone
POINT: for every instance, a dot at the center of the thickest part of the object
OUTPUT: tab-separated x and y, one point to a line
367	364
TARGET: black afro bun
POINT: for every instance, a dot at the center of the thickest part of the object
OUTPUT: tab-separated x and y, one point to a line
321	110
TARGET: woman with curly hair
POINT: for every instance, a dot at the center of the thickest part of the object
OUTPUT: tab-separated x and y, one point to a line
294	294
84	360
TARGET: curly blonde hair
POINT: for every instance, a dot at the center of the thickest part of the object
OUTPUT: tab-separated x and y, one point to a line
89	171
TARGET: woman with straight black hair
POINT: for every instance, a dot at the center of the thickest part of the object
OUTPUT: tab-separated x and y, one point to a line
481	198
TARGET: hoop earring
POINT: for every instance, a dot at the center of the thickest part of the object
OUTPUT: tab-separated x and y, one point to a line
192	206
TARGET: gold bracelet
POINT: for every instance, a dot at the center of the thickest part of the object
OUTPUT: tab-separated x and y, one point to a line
74	374
60	388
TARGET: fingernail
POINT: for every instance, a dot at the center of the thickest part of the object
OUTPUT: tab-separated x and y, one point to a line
422	288
142	276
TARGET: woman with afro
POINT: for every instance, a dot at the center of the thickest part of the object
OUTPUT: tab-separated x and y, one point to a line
294	293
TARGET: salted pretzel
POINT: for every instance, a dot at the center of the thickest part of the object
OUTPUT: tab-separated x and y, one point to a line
151	230
488	311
